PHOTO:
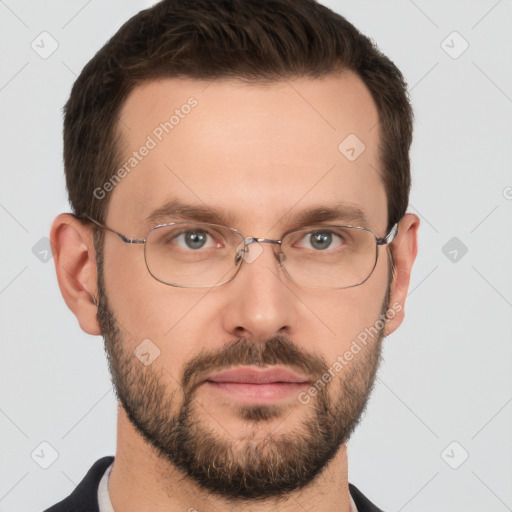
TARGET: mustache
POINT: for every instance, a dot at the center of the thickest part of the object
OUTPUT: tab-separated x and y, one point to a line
277	350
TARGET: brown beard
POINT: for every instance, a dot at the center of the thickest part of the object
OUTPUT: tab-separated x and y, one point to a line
252	469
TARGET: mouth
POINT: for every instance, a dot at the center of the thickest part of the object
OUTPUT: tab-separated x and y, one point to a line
251	385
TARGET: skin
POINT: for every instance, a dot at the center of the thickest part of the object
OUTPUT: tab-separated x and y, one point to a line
262	154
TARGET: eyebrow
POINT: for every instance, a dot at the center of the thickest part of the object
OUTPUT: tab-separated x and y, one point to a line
338	212
176	210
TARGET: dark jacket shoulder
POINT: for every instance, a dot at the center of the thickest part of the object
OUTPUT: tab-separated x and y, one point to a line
363	504
85	496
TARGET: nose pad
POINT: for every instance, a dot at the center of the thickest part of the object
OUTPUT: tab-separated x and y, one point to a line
281	257
249	252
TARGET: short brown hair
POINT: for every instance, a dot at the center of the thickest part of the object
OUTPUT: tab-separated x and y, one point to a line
253	40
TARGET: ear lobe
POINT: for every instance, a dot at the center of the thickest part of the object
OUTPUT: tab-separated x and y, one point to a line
405	249
75	265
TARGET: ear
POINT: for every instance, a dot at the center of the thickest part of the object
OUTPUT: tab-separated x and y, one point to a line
404	248
75	264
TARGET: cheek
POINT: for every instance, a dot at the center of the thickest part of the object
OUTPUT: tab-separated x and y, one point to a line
146	309
179	321
128	287
344	316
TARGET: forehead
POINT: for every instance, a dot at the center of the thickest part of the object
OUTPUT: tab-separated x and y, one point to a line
260	153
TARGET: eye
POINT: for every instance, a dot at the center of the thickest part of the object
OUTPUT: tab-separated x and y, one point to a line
320	240
195	239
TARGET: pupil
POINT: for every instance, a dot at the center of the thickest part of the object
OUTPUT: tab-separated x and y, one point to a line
195	240
321	240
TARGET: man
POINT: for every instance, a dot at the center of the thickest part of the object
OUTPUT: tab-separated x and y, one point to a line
239	176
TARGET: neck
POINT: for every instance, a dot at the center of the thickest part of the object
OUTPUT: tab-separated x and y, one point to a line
141	481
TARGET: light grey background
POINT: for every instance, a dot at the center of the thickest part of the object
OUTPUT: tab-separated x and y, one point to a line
447	371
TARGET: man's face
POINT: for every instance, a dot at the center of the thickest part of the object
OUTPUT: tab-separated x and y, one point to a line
261	155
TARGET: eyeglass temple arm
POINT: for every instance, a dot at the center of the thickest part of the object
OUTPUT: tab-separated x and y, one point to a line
390	236
125	239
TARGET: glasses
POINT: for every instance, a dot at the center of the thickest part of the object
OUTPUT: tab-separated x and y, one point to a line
204	255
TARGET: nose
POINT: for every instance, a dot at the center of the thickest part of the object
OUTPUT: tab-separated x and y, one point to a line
258	301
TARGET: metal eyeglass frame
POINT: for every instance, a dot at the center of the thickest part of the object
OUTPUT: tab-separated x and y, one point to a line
387	239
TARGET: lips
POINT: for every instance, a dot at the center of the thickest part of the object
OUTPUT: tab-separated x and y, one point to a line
262	376
250	386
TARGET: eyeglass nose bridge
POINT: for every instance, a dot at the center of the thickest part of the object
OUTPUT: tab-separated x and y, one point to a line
243	254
